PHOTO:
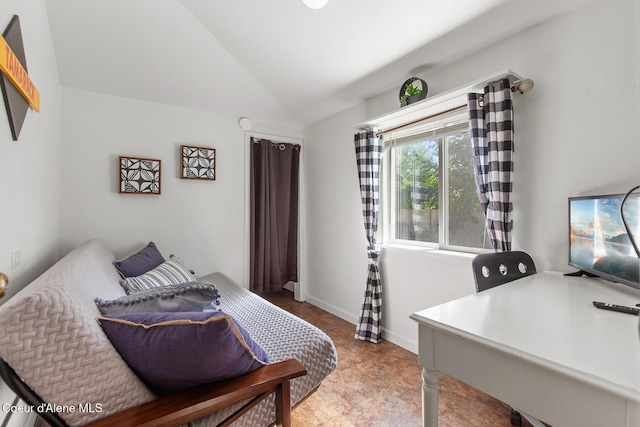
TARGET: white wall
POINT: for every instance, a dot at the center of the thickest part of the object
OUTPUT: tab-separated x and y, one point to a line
577	133
201	221
29	167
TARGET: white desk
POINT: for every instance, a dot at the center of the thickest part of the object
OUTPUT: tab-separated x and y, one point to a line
540	345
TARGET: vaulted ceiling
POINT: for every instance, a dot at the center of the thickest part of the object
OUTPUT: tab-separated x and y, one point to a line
272	60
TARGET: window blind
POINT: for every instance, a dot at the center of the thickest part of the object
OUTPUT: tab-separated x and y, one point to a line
441	126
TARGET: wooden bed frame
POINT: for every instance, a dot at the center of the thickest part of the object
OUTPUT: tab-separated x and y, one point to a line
188	405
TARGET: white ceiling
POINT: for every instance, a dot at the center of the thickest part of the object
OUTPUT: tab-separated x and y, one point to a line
272	60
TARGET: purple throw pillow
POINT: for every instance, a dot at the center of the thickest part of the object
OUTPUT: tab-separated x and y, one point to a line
144	260
174	351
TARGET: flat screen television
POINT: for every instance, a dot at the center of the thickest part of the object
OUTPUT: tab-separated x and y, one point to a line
599	243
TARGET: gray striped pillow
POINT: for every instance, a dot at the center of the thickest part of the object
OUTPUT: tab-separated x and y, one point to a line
168	273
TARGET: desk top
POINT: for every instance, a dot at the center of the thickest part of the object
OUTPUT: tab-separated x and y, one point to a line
549	319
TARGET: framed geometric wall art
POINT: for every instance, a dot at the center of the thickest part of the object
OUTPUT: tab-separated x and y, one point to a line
139	176
198	162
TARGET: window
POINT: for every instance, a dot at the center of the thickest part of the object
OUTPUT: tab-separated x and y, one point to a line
429	191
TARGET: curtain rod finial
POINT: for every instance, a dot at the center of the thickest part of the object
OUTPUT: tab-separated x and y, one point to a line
522	86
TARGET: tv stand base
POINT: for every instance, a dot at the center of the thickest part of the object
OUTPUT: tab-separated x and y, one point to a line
580	273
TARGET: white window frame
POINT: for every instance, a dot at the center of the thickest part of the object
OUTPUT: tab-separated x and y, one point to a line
388	184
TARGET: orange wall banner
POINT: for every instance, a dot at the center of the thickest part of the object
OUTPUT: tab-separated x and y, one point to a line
15	72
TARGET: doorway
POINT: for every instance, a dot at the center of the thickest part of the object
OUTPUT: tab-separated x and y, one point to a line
274	214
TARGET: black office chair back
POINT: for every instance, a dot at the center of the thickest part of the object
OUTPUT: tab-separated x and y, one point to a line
495	269
27	395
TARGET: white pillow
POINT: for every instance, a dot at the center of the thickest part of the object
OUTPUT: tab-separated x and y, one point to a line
168	273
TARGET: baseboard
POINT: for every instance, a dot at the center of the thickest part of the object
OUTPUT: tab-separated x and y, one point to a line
409	345
400	341
333	310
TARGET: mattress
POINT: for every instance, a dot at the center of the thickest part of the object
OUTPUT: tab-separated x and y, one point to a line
283	336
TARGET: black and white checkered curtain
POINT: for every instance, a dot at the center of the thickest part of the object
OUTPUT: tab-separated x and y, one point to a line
369	157
491	123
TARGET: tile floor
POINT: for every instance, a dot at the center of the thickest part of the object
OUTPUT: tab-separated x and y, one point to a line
380	384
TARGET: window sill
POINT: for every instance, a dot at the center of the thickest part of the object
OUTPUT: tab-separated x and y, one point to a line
425	249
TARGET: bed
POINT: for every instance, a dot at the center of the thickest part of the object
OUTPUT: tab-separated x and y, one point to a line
50	339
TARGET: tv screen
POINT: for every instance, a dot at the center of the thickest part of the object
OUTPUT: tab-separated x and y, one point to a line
598	240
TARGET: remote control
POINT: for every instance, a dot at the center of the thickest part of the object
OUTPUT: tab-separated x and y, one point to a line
614	307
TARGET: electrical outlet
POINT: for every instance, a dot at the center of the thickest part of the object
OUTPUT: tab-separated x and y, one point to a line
15	258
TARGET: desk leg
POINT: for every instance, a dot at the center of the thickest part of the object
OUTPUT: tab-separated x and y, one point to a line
430	382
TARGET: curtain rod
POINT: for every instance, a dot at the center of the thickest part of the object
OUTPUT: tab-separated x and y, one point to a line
279	144
521	86
450	110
